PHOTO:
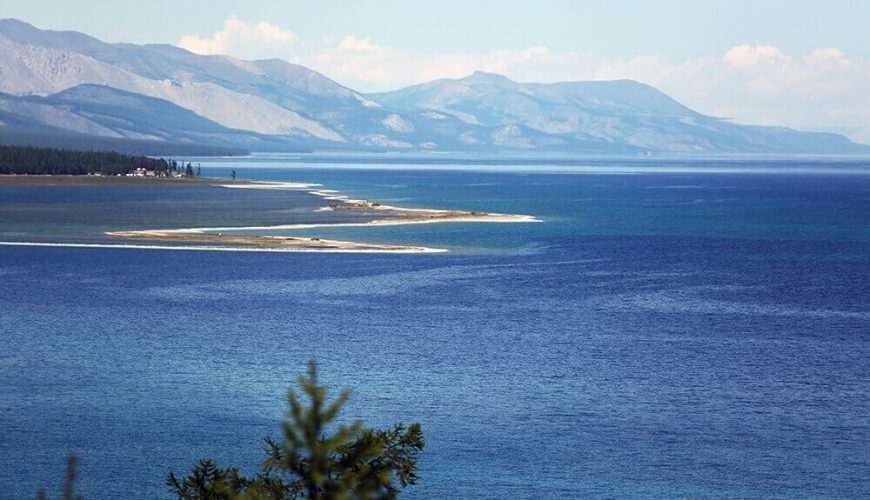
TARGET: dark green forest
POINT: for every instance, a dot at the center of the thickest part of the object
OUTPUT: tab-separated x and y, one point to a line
50	161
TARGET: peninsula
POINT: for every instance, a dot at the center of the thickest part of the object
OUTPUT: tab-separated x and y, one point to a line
381	215
252	237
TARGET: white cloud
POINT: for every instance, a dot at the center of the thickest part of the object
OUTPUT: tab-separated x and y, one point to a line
748	56
241	39
824	89
355	44
830	54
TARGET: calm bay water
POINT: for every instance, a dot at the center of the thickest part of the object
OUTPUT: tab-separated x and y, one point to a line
699	334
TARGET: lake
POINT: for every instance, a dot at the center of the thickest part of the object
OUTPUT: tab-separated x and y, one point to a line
671	329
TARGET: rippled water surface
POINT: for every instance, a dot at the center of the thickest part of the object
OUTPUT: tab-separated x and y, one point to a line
663	333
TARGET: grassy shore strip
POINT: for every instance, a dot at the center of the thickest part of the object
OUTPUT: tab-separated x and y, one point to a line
329	246
111	179
398	221
262	241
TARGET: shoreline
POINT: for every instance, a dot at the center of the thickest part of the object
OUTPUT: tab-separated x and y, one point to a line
214	239
351	248
347	204
75	180
485	218
286	243
398	216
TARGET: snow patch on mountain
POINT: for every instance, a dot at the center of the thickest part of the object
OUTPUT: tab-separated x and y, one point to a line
382	141
396	123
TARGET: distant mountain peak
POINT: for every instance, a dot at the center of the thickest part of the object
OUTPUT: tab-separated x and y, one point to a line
9	22
27	33
486	77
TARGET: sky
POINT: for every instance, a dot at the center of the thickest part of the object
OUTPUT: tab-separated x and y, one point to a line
798	63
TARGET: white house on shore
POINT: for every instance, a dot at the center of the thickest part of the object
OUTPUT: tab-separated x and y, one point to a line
141	172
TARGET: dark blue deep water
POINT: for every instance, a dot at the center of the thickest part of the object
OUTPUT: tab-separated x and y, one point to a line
662	334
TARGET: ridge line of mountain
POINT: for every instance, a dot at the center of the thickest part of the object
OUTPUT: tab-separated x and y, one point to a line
71	82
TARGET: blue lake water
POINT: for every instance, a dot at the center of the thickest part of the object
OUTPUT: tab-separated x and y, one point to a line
686	330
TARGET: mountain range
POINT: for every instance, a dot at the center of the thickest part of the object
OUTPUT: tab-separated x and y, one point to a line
68	84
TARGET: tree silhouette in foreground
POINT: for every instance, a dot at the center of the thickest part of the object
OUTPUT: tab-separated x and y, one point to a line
352	461
68	492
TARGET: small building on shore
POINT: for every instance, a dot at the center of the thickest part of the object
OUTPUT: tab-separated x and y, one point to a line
142	172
